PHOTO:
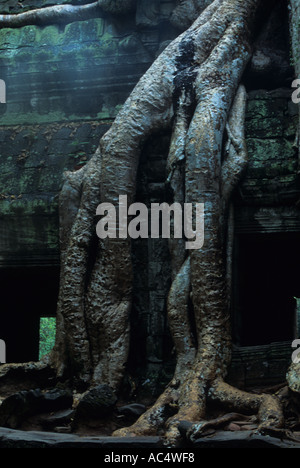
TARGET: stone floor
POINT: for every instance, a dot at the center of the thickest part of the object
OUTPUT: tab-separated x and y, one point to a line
11	438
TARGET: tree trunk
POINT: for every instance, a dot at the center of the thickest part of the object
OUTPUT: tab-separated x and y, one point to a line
194	85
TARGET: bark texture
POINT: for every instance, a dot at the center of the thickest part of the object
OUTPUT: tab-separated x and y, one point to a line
193	86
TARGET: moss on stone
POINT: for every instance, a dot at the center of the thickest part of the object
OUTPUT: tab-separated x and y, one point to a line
54	61
28	206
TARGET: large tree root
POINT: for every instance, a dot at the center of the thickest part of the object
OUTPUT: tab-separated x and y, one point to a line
211	179
189	402
95	294
63	14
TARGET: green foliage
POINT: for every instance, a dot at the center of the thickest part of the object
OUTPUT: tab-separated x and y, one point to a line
47	335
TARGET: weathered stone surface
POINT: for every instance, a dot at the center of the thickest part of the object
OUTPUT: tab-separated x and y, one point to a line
271	124
108	57
10	438
270	66
147	13
133	409
25	376
264	220
96	403
243	439
55	399
62	418
19	406
37	159
252	365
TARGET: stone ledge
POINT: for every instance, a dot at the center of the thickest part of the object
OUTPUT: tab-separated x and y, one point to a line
11	438
243	439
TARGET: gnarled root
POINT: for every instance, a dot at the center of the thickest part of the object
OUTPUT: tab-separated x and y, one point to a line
190	399
198	142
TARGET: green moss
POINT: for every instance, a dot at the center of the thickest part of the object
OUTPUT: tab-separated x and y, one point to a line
49	36
25	206
9	38
267	108
261	150
28	36
50	54
34	117
295	47
83	31
108	45
52	35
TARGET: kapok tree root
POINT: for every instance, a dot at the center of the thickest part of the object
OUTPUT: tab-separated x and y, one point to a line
267	407
154	418
186	422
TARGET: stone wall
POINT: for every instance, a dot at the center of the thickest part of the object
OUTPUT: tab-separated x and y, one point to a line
267	197
64	87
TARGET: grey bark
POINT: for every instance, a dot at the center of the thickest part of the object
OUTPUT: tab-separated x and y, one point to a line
94	307
221	50
95	318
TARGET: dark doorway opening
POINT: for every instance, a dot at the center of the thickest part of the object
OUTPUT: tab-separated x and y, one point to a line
26	295
266	285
